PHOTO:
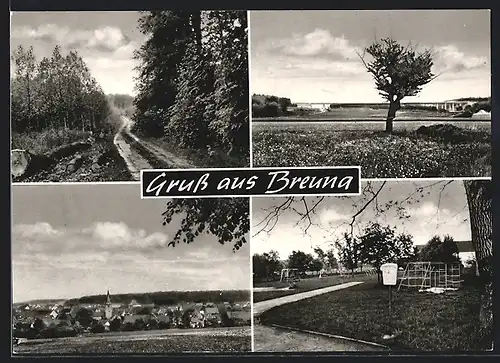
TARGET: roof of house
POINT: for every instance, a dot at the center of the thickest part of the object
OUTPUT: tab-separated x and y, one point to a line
211	310
465	246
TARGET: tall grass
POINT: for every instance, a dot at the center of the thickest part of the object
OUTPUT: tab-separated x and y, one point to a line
45	141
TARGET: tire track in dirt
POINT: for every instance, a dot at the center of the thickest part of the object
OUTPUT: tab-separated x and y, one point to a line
139	154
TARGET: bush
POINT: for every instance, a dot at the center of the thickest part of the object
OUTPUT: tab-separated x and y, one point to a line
98	328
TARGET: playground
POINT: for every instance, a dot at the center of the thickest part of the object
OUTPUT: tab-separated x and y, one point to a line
434	308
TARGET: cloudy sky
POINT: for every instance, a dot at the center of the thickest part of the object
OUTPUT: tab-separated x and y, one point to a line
74	240
311	56
442	210
105	41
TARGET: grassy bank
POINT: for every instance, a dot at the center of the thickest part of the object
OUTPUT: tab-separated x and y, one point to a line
404	154
419	321
45	141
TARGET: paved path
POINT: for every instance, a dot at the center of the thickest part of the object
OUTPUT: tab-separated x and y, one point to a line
261	306
269	339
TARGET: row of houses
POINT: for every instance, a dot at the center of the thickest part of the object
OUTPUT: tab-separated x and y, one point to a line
184	314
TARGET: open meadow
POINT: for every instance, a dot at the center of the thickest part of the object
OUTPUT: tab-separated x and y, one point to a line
443	148
419	321
235	339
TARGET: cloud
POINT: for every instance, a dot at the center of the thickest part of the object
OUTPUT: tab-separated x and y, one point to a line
320	42
105	236
105	39
449	58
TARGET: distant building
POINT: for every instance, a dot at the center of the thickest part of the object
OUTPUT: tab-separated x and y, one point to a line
108	309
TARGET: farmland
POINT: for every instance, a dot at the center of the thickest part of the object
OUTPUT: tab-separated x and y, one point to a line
462	149
164	341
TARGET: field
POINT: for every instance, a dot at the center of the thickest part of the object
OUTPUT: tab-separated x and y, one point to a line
367	112
419	321
303	285
464	148
159	341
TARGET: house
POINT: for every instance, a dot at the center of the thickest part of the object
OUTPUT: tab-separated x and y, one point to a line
98	314
133	318
240	315
197	319
212	314
53	314
466	252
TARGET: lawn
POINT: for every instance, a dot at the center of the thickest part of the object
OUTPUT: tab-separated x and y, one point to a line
419	321
460	151
303	285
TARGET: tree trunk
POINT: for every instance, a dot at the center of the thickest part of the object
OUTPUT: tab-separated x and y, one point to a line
479	198
393	108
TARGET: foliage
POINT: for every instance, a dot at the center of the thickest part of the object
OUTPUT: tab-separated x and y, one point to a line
416	156
269	106
327	258
168	297
193	79
349	252
57	93
440	250
380	244
266	265
398	71
301	261
225	218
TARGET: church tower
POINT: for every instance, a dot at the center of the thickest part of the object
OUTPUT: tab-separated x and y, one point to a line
108	310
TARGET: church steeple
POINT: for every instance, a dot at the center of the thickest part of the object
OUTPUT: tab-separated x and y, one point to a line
108	310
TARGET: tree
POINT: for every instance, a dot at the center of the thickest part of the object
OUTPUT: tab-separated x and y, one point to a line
380	244
398	72
225	218
300	260
348	251
328	259
479	199
438	250
266	265
84	317
316	265
115	325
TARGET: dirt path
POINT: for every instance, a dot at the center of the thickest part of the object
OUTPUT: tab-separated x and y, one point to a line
139	154
261	306
269	339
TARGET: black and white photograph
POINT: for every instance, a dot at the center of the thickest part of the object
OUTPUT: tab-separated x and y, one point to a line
98	270
402	93
99	96
404	267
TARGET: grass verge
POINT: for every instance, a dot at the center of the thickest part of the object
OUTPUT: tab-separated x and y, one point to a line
419	321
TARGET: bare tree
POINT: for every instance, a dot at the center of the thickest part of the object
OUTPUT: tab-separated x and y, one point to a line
398	72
